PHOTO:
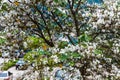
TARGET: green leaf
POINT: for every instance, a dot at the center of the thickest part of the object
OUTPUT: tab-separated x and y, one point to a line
4	6
97	51
84	45
75	55
110	43
62	44
84	38
2	41
58	12
71	63
63	57
56	1
69	24
41	52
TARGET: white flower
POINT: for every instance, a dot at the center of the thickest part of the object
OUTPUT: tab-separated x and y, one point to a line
114	68
72	34
94	25
106	25
63	39
83	15
27	1
88	70
62	51
89	77
56	60
99	66
98	77
100	21
111	14
106	73
25	44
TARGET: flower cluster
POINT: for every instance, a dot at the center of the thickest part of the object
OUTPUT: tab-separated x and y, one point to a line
94	54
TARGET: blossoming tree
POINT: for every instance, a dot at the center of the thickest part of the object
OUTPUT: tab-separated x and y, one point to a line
81	35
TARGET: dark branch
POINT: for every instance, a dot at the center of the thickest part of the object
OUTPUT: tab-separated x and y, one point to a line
42	16
78	5
75	19
54	18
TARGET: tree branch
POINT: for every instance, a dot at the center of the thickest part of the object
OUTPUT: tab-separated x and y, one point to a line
75	19
42	16
54	18
98	33
40	31
78	5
